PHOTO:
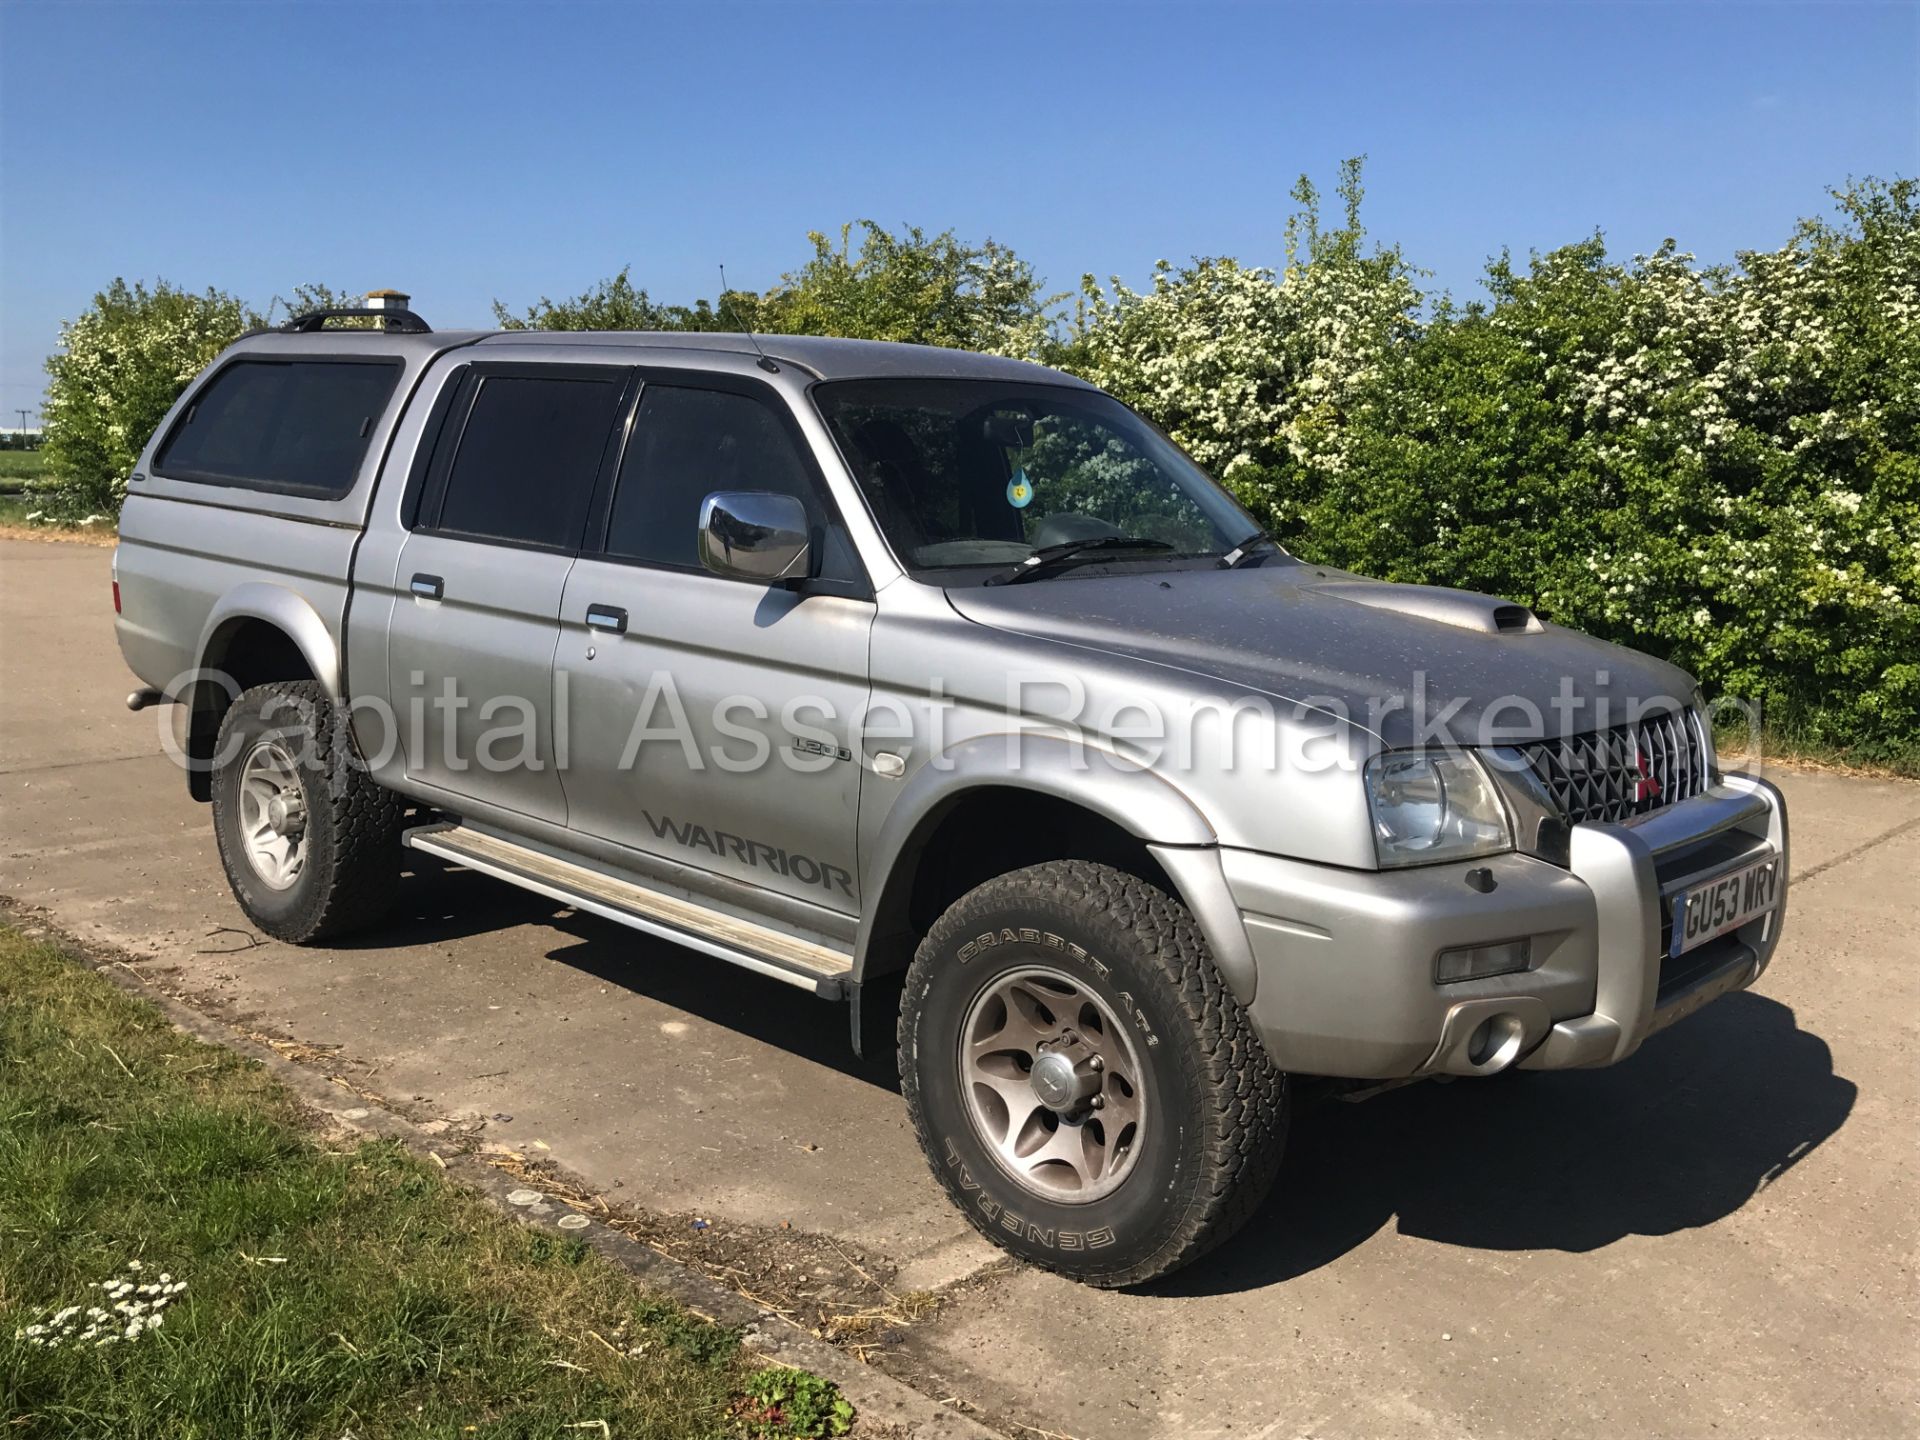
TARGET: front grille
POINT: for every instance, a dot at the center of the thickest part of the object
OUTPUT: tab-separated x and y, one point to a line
1614	774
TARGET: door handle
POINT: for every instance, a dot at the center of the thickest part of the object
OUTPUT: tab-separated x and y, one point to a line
610	618
428	587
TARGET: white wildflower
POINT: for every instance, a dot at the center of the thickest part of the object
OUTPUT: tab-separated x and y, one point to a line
129	1319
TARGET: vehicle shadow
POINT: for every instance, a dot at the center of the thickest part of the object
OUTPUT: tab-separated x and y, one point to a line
1679	1136
757	1006
440	902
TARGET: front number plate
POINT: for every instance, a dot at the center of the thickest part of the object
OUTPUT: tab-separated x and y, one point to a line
1725	904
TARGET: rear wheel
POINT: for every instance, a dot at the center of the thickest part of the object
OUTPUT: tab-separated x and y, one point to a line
310	844
1083	1083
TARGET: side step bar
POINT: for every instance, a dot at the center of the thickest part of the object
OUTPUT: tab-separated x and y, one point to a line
812	966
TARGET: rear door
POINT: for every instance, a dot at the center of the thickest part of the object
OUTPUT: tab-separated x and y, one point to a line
495	529
712	721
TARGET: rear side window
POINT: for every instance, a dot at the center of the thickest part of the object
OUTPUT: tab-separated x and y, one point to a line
529	457
295	425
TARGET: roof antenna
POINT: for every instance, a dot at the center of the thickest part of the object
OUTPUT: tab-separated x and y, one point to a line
763	362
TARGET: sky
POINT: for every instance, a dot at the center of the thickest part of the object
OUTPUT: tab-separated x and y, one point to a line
470	151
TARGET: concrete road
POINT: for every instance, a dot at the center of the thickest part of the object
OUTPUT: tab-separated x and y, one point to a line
1717	1237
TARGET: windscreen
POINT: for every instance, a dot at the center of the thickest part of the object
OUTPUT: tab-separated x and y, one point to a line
974	475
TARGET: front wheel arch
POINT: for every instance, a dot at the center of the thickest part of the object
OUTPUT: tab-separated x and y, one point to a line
1124	809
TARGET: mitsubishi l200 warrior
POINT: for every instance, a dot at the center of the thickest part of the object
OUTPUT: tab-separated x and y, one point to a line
909	674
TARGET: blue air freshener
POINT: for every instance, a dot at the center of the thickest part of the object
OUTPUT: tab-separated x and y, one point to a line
1020	489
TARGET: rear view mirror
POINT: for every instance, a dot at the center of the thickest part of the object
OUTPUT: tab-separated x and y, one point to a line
1009	429
754	535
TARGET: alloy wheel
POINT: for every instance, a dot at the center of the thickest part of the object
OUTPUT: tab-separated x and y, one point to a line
273	814
1053	1084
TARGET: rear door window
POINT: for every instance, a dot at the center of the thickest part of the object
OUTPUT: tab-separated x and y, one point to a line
529	456
295	425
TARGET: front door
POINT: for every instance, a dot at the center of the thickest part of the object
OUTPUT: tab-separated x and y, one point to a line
711	721
471	644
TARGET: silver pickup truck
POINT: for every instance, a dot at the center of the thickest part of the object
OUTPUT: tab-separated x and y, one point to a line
942	683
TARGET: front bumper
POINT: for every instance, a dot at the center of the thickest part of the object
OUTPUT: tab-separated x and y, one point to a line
1344	960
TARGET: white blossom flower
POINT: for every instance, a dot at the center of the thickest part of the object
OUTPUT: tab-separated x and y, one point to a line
128	1320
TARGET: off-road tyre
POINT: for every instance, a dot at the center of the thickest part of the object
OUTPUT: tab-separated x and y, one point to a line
1220	1104
352	864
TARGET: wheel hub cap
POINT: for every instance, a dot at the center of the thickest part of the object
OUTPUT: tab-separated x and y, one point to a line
1053	1084
286	814
1060	1084
273	814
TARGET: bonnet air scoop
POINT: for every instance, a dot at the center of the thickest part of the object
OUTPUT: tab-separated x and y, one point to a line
1460	608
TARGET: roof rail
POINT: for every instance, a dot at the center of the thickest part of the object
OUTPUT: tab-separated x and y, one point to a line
398	322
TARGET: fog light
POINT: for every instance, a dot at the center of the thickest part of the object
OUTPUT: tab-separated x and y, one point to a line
1476	962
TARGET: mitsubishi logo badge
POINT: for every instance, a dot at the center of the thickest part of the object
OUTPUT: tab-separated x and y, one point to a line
1646	787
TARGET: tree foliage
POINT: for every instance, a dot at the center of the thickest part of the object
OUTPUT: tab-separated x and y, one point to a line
120	367
615	304
1256	372
913	287
910	286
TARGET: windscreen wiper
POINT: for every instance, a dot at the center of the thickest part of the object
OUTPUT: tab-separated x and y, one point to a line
1050	559
1242	552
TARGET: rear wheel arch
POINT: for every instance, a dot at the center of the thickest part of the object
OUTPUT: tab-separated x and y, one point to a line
259	635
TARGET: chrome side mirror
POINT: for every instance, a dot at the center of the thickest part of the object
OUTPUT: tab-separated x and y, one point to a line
754	535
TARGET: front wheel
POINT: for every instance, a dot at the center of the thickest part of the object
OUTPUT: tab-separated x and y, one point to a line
1084	1084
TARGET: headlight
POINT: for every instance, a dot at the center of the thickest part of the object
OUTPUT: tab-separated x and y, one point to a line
1430	806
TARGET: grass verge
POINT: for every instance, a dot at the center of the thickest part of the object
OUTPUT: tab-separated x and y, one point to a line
330	1287
1896	759
19	466
15	524
24	474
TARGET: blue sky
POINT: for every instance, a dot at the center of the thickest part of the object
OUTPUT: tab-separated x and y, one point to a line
465	151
